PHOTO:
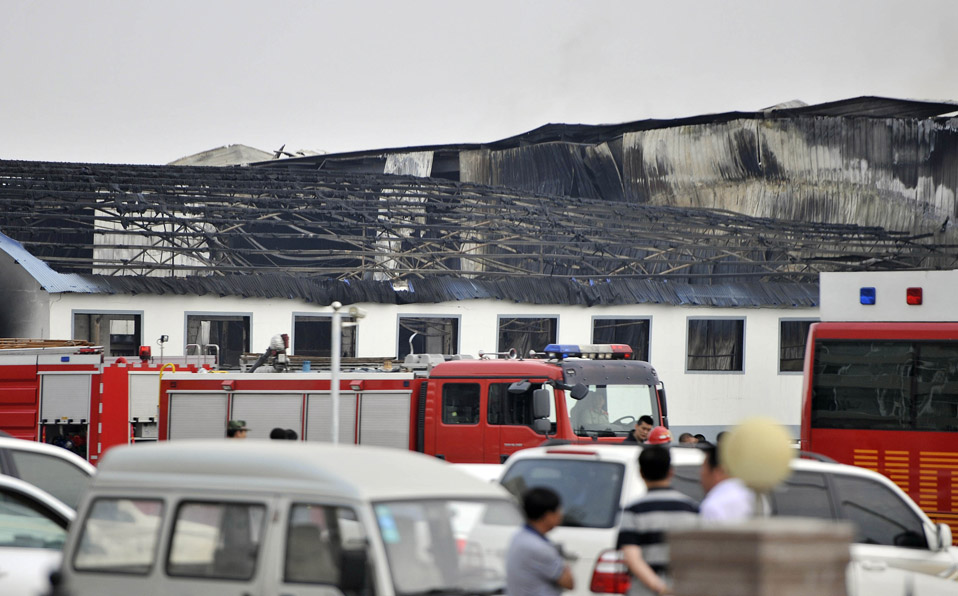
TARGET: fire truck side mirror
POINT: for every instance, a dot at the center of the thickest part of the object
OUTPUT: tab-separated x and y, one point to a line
579	391
541	404
542	426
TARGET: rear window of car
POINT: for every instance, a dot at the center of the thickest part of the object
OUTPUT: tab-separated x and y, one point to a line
590	491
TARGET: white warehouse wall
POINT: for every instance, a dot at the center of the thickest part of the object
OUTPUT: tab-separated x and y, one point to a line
698	402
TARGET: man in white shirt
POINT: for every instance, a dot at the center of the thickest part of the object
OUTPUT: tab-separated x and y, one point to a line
727	498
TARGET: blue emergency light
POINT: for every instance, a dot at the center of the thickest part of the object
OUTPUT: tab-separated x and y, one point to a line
867	296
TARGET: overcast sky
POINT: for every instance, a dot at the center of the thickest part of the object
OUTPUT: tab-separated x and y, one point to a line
132	81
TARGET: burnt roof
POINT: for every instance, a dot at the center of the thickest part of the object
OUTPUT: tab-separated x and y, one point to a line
310	235
864	107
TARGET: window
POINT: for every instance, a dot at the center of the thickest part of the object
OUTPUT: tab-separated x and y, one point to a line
430	335
25	523
803	494
879	514
632	332
716	345
216	540
118	333
120	536
460	403
791	344
885	385
514	409
318	539
58	477
589	490
312	336
526	333
227	334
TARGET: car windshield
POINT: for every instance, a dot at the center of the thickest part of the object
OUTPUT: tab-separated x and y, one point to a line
447	546
589	490
609	410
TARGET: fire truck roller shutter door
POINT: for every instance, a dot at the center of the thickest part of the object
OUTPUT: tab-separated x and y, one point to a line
65	396
197	416
144	395
266	411
319	412
384	419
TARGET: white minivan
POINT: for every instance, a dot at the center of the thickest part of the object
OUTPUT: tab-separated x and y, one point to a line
274	517
596	481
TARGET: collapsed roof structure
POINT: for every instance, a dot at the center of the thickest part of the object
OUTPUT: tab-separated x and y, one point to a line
323	236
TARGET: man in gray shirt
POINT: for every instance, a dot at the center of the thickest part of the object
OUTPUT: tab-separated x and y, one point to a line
534	566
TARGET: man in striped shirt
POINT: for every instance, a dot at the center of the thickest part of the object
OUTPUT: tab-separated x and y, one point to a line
642	534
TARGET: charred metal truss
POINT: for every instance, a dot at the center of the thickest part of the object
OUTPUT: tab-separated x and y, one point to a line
167	221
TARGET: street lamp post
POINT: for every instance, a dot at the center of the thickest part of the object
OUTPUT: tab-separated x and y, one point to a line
337	346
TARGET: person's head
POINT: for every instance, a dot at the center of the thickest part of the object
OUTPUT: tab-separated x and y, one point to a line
701	438
277	433
712	471
542	507
236	429
655	464
719	436
291	435
688	438
643	426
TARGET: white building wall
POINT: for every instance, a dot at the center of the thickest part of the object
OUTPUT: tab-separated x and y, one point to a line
703	402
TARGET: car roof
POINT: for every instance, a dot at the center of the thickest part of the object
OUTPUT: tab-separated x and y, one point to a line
623	453
51	450
11	484
350	471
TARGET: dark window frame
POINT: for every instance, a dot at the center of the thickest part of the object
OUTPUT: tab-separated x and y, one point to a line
229	356
639	352
421	342
525	339
712	352
109	348
349	343
790	347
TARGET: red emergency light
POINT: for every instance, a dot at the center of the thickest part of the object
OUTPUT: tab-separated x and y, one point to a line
145	353
913	296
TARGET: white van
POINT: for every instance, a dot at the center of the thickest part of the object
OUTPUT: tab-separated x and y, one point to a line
596	481
274	517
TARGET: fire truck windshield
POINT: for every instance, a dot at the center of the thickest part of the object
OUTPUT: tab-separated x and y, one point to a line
610	410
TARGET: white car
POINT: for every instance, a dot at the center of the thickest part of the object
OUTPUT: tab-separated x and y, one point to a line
596	481
33	529
62	473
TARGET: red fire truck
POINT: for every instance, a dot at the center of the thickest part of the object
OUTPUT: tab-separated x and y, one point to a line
881	381
67	395
458	408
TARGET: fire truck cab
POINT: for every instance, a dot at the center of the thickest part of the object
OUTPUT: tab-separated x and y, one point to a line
458	408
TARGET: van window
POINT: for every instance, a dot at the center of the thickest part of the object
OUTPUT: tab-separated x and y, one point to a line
316	538
803	494
216	540
879	514
590	491
119	536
